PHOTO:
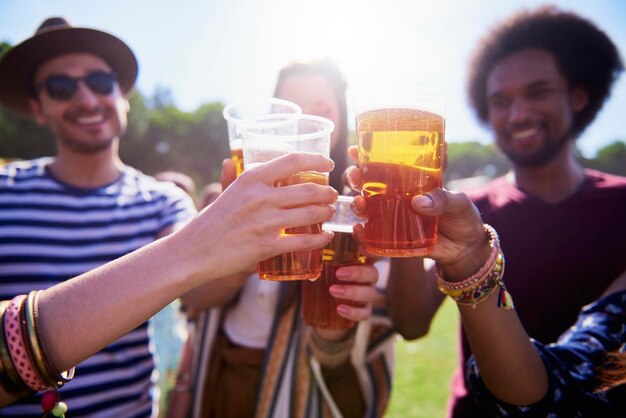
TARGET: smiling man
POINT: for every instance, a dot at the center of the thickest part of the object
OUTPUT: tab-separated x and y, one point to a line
61	216
538	80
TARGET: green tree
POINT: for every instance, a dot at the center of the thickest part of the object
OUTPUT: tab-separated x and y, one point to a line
470	159
610	159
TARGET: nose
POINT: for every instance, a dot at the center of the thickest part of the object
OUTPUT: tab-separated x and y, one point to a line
519	111
84	96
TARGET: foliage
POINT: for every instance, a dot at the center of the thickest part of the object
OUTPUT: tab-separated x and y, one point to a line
470	159
158	138
610	159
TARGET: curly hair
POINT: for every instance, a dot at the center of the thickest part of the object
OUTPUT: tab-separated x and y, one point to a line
329	69
584	54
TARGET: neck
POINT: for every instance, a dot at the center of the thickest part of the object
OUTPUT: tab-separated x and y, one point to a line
87	170
552	182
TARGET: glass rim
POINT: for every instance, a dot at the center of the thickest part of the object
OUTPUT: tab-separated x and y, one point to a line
418	98
246	124
269	100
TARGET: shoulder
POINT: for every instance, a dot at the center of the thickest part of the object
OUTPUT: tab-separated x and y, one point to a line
494	193
602	180
137	182
14	173
601	186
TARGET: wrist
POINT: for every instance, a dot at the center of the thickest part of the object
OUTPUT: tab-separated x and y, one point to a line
469	262
332	354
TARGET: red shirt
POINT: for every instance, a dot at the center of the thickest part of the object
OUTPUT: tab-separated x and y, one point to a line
559	257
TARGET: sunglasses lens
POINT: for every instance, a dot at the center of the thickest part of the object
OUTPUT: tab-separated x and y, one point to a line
100	82
60	87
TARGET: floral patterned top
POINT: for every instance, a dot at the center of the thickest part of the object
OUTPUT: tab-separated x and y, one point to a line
600	328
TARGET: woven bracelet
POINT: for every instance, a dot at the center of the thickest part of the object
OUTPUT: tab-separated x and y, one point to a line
482	284
16	342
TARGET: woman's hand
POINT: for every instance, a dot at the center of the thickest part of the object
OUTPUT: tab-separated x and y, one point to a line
245	224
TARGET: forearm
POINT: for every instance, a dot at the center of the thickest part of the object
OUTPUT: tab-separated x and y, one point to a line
81	316
509	364
412	297
214	294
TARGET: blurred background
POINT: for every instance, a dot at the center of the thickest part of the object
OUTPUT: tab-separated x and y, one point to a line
195	56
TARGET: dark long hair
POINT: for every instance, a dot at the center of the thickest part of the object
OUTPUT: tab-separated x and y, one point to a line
330	71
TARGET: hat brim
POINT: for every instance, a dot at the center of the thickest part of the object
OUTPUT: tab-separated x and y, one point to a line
19	64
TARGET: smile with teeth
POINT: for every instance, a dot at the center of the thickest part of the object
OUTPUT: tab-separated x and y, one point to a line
527	133
90	120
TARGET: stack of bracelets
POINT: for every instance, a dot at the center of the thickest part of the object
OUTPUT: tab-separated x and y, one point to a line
25	365
481	285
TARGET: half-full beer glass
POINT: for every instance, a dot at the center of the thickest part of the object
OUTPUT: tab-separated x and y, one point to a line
234	113
268	137
319	308
401	145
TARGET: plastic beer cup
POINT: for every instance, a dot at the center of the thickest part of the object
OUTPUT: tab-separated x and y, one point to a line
319	308
234	113
401	144
268	137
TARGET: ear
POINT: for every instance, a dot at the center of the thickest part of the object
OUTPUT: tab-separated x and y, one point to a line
36	111
580	98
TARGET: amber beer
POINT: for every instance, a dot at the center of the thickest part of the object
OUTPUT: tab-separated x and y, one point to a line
298	265
400	155
319	308
236	155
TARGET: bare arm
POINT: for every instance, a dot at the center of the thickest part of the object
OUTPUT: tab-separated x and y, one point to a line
509	365
83	315
412	297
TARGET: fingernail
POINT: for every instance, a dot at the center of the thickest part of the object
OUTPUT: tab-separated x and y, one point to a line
332	165
343	273
337	290
343	309
354	208
423	201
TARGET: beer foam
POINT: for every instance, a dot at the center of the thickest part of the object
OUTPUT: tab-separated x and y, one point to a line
331	226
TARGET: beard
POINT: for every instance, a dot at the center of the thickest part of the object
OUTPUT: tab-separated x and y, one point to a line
544	155
81	147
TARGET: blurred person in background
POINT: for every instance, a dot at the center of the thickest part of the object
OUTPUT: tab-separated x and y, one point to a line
253	332
67	214
538	79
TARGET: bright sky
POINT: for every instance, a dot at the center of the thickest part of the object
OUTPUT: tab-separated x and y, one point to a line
227	50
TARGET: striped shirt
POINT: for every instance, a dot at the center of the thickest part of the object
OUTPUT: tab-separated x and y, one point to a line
50	232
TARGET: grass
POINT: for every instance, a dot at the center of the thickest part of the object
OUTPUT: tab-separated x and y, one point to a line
424	368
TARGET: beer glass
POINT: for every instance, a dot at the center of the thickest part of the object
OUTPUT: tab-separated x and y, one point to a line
401	144
234	113
270	136
319	308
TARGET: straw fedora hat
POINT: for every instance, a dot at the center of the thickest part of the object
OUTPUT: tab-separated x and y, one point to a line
55	37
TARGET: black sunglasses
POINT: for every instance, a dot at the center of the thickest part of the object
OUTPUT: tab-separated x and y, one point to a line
64	87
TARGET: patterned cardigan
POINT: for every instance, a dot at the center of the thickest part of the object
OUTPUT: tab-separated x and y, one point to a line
289	363
571	364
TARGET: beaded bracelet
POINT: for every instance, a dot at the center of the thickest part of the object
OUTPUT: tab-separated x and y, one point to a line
483	283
